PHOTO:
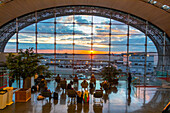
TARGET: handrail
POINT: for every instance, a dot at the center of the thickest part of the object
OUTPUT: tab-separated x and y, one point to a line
166	108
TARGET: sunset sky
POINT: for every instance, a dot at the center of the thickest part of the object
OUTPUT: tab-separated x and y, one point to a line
82	37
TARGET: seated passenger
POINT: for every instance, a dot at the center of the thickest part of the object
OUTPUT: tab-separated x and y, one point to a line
46	90
34	88
71	94
46	93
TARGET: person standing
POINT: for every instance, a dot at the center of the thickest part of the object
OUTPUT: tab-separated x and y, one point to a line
129	80
35	77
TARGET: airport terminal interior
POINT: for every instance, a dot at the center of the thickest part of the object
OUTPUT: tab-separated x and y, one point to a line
85	56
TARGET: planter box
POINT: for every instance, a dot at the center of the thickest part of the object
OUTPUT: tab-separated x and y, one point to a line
9	95
23	95
3	99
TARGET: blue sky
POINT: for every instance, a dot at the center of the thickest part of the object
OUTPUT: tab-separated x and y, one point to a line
82	37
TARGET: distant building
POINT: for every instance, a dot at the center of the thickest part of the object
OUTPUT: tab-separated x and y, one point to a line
137	64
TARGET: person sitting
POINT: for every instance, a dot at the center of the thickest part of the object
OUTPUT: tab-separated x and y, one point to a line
34	88
84	84
46	93
93	79
58	78
71	94
46	90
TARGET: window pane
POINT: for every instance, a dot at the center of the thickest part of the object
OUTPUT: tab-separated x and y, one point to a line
26	40
64	28
11	45
87	19
45	27
45	43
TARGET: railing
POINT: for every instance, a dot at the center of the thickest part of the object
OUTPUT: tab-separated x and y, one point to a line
3	81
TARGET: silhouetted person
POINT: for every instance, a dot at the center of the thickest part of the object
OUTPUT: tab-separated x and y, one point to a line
91	85
46	90
69	86
129	80
63	84
105	85
75	79
84	84
35	77
57	89
58	78
93	79
71	82
46	93
71	94
79	97
42	85
92	91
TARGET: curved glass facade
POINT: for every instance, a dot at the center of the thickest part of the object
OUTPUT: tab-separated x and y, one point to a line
86	44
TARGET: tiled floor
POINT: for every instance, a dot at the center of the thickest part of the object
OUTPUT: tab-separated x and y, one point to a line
118	100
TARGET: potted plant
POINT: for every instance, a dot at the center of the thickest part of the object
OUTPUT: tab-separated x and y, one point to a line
24	65
110	74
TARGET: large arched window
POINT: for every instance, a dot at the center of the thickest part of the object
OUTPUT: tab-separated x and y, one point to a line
86	44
